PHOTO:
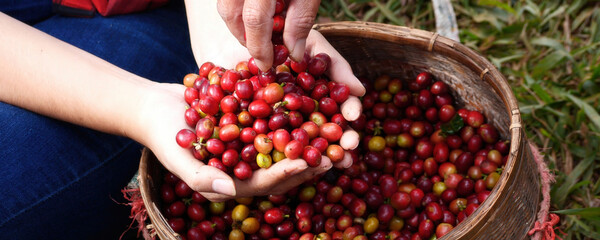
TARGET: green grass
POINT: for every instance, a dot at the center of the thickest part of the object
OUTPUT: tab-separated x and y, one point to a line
550	53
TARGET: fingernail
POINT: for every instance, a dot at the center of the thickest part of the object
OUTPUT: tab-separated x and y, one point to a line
297	53
223	186
262	66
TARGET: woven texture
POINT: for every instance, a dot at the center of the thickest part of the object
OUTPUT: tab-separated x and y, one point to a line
374	49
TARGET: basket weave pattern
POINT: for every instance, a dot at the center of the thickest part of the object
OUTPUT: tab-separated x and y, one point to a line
373	49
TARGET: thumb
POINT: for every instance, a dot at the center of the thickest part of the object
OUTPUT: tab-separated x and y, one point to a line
204	178
351	108
298	23
346	161
349	140
265	179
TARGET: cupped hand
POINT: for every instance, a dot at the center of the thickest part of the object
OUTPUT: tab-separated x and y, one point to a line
251	22
166	119
162	117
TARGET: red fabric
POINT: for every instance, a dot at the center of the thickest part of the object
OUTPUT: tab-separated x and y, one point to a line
107	7
138	212
78	4
115	7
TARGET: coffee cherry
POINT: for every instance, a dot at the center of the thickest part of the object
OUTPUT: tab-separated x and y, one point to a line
474	119
242	170
278	23
263	160
319	64
185	138
229	132
259	109
312	156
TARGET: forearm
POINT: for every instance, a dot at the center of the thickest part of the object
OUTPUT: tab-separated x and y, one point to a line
45	75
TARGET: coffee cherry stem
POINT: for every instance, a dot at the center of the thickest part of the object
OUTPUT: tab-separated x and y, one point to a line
280	104
377	131
187	201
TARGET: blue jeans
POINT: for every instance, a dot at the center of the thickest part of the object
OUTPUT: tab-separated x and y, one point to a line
58	180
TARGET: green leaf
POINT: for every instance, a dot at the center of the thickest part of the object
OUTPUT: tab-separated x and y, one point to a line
579	117
347	10
496	3
583	228
580	184
581	17
596	188
532	8
584	212
369	14
547	63
488	17
388	14
558	12
591	113
453	126
584	49
562	192
579	211
548	42
575	6
541	93
596	73
499	61
552	43
594	26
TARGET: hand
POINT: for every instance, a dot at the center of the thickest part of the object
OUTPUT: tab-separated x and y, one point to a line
251	22
162	113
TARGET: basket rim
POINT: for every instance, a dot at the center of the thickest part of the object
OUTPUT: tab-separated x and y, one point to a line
159	223
430	41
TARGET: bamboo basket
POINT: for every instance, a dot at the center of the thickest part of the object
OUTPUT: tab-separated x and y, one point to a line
373	49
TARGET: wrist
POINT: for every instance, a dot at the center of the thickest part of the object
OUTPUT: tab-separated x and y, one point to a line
210	37
159	114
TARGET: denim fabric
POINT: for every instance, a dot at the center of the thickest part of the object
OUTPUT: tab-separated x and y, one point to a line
59	180
27	11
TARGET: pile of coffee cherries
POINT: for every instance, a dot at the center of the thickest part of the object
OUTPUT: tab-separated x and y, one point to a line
245	119
423	165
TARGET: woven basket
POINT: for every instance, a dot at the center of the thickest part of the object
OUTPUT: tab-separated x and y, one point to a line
373	49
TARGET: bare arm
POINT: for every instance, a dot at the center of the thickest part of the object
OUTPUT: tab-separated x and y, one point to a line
50	77
45	75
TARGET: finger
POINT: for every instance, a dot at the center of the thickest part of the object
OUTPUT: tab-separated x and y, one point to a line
340	70
258	22
265	179
231	13
205	178
302	177
215	197
351	108
349	140
346	161
298	23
